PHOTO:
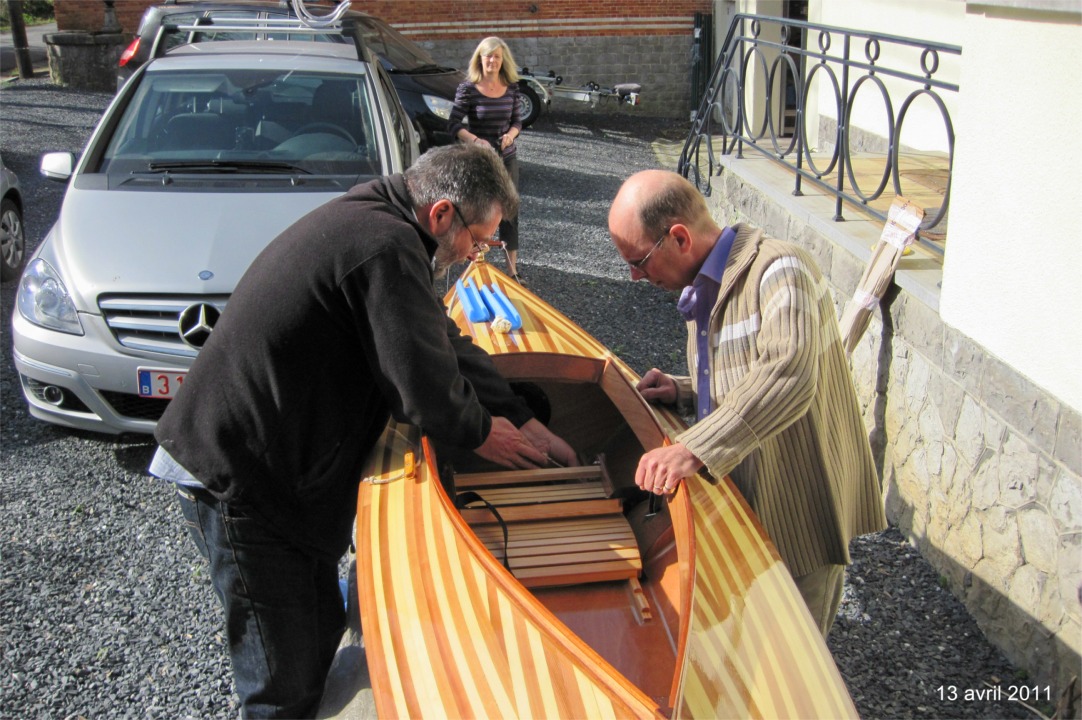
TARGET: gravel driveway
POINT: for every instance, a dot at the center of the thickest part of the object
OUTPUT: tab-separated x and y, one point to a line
105	608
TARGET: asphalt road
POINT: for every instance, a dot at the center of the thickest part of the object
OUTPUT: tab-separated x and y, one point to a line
35	42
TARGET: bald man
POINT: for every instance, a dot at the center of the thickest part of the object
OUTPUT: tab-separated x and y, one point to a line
768	380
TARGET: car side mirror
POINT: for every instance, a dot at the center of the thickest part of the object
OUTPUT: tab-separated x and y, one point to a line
58	165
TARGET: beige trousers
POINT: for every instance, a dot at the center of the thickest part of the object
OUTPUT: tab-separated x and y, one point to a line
822	593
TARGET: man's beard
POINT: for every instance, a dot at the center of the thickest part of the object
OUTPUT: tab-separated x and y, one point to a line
445	255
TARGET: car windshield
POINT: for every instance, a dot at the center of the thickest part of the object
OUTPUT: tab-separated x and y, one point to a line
260	121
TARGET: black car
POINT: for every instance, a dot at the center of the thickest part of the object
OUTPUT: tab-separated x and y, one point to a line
426	89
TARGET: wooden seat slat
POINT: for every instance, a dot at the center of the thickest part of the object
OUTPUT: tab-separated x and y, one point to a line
575	574
516	540
542	511
563	527
526	477
548	493
568	555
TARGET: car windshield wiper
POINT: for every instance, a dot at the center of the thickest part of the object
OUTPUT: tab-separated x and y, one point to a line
270	166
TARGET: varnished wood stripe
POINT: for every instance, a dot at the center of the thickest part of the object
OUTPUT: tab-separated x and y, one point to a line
717	617
397	634
467	660
824	682
761	607
779	640
466	664
448	688
802	638
408	605
738	554
481	600
371	561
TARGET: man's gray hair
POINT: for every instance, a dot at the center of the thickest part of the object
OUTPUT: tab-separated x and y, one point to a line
472	177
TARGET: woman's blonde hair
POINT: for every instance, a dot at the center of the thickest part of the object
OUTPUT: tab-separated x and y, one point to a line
508	70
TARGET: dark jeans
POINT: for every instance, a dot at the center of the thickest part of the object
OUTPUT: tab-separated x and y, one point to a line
283	608
509	228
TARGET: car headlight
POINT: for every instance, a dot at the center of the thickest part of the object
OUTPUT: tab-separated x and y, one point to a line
440	107
43	299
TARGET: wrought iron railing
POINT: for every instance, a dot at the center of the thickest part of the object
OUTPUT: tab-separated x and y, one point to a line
758	97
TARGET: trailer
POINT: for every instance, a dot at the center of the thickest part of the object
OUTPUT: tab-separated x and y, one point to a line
537	91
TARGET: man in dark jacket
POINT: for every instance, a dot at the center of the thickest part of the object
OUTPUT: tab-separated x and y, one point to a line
335	327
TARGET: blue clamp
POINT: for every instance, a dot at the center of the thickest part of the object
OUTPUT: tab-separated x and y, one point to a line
475	307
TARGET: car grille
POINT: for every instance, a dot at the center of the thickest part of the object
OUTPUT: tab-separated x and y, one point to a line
133	406
152	324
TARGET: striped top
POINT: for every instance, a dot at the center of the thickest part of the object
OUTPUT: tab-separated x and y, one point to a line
787	425
487	117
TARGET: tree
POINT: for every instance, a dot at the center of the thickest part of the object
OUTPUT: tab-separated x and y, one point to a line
18	38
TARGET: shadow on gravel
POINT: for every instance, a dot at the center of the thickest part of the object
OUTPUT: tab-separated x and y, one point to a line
135	455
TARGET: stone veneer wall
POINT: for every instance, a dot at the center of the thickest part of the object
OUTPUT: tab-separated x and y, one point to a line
982	470
665	79
84	60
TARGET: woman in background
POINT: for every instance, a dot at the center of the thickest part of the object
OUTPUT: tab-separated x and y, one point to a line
487	111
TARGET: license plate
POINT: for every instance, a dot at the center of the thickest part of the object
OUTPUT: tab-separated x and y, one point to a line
162	384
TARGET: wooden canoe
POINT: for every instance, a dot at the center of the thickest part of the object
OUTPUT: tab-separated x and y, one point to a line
608	609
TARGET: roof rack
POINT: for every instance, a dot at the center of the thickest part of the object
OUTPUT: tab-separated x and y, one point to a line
347	27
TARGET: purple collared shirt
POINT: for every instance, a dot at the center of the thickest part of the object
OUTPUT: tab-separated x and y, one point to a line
696	302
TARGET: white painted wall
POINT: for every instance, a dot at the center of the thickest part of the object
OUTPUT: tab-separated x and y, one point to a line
1012	278
931	20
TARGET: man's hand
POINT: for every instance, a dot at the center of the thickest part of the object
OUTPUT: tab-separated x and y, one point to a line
548	443
662	468
506	446
656	386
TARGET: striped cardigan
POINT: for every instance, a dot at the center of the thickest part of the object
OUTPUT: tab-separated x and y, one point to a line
487	118
786	425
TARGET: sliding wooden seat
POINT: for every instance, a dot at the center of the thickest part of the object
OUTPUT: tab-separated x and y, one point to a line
563	526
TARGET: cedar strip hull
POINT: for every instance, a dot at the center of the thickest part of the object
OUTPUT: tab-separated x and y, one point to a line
713	626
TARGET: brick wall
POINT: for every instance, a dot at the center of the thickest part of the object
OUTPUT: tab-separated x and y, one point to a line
88	15
432	19
604	41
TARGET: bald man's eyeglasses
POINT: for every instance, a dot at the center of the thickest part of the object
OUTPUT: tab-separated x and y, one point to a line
640	264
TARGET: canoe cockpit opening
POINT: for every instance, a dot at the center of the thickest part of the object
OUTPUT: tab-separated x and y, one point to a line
591	404
582	539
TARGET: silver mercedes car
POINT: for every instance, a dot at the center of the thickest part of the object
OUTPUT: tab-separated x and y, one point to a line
207	154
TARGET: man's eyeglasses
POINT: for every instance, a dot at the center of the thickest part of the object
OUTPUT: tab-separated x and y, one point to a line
640	264
481	245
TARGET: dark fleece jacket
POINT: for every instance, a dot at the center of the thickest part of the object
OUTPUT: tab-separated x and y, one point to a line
335	326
